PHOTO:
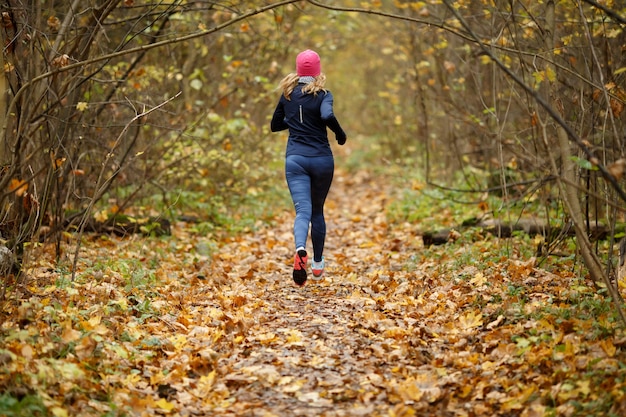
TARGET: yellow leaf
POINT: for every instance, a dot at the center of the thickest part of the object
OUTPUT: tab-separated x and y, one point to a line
417	185
291	386
67	371
466	390
470	320
266	338
479	279
511	404
517	403
94	325
608	347
397	333
164	405
205	385
409	391
179	341
59	412
218	335
101	216
584	387
131	380
294	337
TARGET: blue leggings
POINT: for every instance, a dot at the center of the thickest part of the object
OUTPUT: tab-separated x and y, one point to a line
309	180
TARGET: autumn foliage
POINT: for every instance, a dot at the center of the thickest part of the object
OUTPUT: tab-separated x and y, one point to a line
156	113
396	328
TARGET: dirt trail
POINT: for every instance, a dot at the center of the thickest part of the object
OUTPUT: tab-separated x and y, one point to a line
304	351
177	327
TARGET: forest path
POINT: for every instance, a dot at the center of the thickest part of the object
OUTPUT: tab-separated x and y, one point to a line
318	349
199	324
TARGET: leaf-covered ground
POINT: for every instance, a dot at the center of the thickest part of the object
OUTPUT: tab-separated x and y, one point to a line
183	326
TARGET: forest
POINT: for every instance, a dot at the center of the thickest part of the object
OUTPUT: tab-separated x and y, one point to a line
476	239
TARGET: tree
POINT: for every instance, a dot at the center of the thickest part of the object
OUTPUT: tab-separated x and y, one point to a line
82	79
92	87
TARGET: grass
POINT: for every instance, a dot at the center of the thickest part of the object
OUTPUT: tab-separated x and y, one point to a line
433	209
232	213
17	405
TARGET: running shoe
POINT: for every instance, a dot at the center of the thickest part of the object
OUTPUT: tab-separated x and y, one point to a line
299	267
318	269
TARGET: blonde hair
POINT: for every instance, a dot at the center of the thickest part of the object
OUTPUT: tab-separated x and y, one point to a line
290	81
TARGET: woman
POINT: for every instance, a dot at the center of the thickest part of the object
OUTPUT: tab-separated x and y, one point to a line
306	109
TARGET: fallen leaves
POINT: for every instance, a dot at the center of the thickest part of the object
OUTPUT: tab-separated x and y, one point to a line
470	320
394	329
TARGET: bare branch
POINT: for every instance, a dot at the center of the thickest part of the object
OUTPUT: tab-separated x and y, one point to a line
543	103
609	12
141	48
103	183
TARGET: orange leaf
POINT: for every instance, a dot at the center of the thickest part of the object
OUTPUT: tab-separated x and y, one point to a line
608	347
617	107
29	202
70	335
19	187
54	23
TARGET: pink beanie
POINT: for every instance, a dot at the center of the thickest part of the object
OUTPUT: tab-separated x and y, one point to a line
308	64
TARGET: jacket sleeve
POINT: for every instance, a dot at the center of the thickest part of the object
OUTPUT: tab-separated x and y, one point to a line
328	116
278	119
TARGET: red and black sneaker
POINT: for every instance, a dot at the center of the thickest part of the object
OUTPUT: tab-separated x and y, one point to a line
299	267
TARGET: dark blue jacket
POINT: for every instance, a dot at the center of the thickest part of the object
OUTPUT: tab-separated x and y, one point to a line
307	116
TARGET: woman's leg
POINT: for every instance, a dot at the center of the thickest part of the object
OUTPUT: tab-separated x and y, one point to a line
299	184
322	171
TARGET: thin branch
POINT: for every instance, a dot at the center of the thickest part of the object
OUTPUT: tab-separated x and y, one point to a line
609	12
470	37
543	103
102	183
141	48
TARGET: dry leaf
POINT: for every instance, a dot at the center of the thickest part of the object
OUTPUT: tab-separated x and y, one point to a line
616	169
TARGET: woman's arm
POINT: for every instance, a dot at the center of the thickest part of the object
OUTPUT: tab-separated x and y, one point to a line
278	119
328	116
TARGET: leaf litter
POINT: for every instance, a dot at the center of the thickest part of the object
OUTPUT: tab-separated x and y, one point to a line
394	329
